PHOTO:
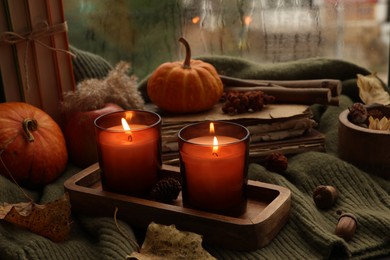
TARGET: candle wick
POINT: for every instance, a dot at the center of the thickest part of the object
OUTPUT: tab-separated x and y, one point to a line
215	154
130	138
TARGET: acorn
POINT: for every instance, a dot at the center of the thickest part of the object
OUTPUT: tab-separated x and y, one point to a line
346	226
276	162
325	196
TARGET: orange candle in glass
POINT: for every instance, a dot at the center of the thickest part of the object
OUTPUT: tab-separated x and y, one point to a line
129	149
214	165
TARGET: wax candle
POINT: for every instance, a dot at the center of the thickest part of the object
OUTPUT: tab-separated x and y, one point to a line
214	166
129	152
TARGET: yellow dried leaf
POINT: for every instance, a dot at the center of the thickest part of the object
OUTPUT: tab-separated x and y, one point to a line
166	242
51	220
371	90
376	124
372	123
384	124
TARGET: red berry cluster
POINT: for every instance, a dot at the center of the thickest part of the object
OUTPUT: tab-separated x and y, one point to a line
375	113
237	102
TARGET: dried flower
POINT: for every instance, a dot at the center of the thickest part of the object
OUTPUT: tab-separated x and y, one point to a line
375	113
241	102
379	124
118	88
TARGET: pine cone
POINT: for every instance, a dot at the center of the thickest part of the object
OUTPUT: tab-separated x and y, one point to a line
166	190
358	114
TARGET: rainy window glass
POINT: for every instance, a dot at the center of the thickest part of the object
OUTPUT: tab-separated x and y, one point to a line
145	32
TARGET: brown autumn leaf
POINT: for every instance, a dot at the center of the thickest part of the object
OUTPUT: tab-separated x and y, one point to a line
51	220
371	90
167	242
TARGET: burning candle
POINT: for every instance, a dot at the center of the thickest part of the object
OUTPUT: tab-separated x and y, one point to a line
129	149
213	163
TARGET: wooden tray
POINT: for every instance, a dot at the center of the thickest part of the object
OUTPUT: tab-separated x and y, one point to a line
268	208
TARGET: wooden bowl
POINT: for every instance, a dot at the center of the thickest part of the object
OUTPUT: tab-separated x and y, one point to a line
365	148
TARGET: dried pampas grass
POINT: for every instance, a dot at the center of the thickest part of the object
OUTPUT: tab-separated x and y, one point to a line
118	88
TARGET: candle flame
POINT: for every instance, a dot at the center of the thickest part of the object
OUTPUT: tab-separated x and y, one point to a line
212	129
215	145
129	115
126	127
215	140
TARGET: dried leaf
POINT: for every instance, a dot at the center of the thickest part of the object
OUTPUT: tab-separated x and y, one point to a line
371	90
51	220
376	124
166	242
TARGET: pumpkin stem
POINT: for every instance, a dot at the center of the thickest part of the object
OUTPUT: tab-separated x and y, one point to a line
186	64
28	126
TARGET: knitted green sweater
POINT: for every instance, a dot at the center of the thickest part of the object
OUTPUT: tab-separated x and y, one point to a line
309	232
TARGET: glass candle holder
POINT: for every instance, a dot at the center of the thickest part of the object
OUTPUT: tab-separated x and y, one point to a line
214	166
129	150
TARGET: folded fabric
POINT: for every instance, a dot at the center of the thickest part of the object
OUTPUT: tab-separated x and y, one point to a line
309	232
87	65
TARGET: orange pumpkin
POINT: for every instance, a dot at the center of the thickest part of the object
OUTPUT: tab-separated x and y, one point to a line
32	146
192	86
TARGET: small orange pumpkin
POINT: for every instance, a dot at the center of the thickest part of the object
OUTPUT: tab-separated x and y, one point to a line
32	145
189	87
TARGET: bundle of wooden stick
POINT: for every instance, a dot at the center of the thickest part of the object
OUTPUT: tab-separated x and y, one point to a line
314	91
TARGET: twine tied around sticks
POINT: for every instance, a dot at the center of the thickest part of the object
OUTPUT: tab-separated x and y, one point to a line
42	29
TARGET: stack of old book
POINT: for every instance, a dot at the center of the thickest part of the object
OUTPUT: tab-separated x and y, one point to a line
286	126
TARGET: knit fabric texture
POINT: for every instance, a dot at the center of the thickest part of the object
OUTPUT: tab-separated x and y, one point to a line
309	232
87	65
